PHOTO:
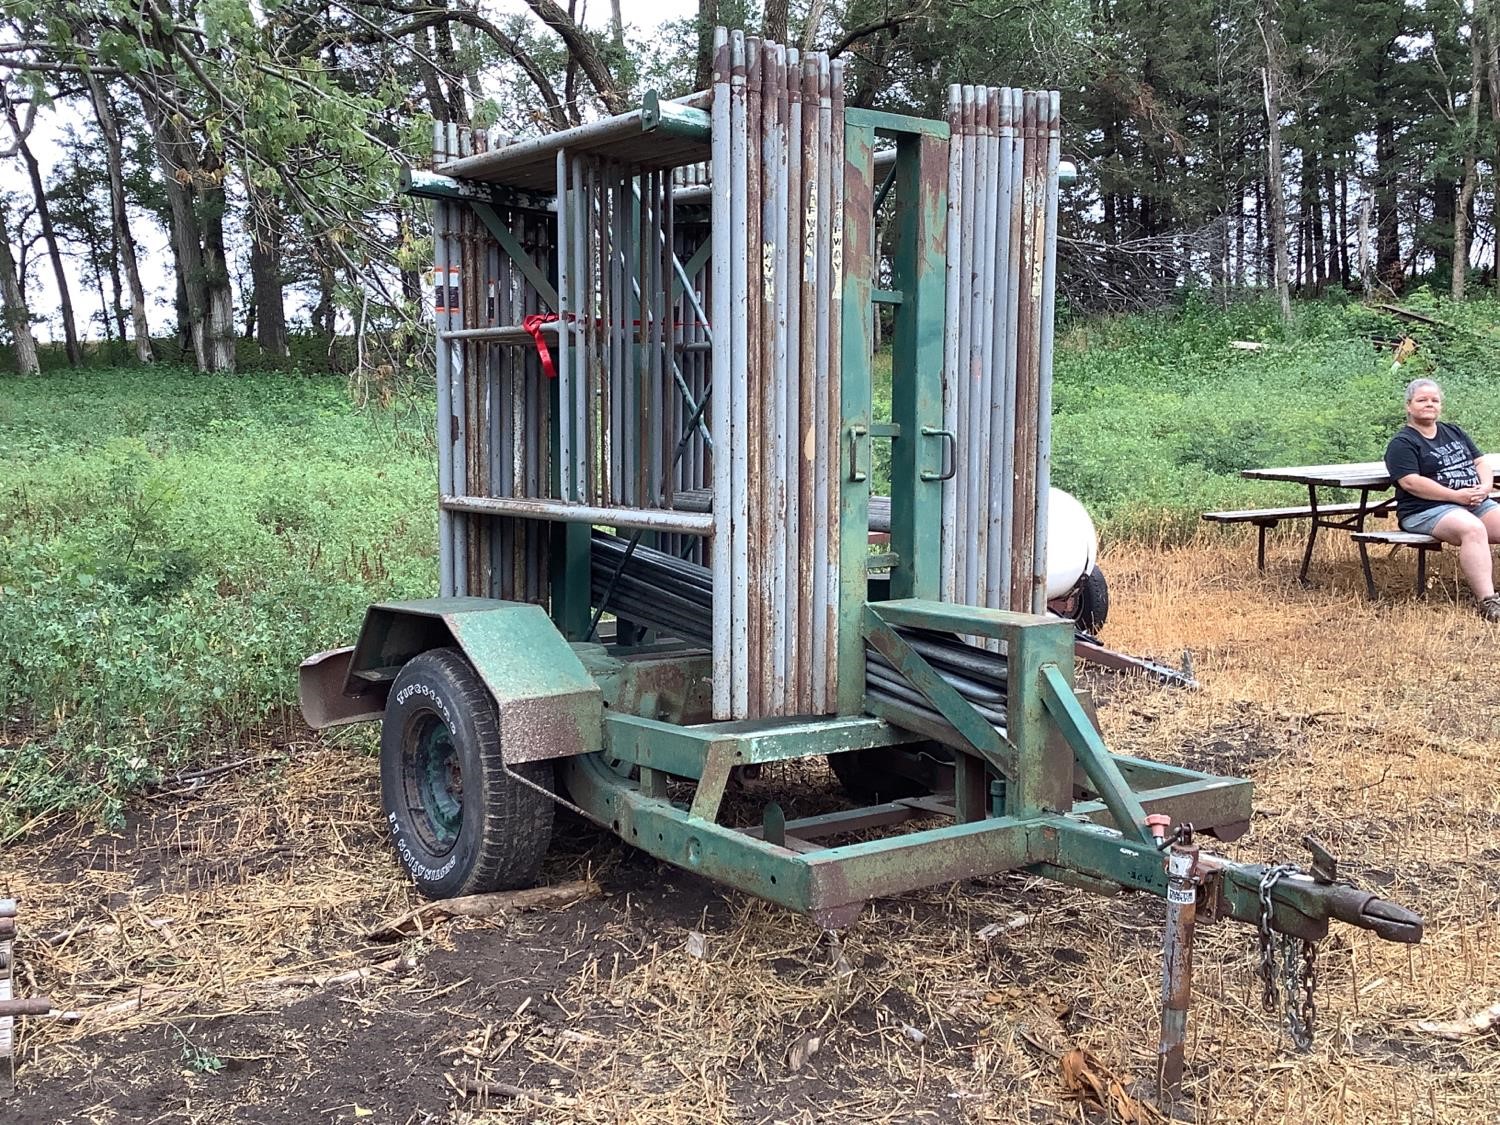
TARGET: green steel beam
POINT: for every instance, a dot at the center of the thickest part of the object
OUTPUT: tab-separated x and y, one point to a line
1205	803
857	349
674	119
1045	783
684	750
423	184
512	247
1092	754
691	267
879	121
919	272
953	617
830	884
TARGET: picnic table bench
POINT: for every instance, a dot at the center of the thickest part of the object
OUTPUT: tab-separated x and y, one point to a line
1266	518
1414	539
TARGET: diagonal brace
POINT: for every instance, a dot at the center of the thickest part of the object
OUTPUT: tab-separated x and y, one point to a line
976	730
512	246
1093	755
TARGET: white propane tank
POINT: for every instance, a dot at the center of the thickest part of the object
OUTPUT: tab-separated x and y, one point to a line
1072	543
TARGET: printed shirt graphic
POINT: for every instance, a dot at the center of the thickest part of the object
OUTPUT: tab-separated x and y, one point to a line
1448	458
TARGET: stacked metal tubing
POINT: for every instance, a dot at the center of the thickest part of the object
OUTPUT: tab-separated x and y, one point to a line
635	355
976	673
653	588
1002	242
608	242
777	228
491	385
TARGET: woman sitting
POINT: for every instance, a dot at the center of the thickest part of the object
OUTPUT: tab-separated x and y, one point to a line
1443	489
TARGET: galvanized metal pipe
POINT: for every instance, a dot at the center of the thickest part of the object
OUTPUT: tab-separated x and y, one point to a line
1177	965
723	217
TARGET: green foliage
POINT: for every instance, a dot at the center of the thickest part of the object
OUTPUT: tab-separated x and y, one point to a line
170	547
1156	414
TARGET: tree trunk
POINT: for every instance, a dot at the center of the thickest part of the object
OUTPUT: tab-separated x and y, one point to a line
708	19
617	27
49	236
1344	226
117	288
323	311
119	218
219	322
173	155
1364	243
1492	81
1461	223
1387	230
774	27
13	303
1313	209
1440	231
266	233
1270	77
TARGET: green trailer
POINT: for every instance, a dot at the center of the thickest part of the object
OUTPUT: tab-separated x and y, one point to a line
655	341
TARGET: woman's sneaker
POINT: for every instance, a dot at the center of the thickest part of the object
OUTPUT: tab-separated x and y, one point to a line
1489	608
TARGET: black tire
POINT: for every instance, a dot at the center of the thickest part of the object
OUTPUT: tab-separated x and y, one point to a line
460	824
884	773
1093	602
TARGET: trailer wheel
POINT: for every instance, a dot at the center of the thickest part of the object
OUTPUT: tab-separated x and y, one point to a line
1093	602
460	824
887	773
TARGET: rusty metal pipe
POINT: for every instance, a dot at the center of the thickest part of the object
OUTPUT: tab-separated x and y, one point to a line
1177	965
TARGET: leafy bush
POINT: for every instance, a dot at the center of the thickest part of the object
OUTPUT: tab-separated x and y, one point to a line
170	547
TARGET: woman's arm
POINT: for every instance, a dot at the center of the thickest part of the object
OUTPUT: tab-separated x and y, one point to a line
1486	473
1429	489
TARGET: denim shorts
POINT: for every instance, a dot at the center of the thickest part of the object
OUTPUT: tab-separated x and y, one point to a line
1424	521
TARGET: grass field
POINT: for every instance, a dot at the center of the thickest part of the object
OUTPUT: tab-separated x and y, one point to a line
219	949
172	545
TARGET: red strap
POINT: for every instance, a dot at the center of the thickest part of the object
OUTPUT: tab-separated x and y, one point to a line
533	324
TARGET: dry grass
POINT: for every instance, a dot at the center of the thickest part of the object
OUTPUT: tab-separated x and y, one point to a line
1372	725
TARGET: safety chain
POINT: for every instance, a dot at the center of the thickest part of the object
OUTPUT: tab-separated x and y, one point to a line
1294	994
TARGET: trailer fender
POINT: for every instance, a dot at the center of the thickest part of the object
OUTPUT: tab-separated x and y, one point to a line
548	704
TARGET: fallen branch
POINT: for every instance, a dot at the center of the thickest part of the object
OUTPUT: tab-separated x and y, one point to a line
190	781
264	990
1420	318
485	906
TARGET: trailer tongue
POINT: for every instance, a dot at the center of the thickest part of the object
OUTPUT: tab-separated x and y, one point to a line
681	302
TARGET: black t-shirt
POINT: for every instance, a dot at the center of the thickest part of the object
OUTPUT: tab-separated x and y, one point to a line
1448	458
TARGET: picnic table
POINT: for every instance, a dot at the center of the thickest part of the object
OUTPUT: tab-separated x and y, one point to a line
1366	477
1369	479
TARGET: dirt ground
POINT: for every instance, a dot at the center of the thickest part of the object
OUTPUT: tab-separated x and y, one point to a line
218	949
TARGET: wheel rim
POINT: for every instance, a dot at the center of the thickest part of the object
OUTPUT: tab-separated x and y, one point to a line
433	783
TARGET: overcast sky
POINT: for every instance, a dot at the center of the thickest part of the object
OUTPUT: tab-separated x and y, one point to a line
641	17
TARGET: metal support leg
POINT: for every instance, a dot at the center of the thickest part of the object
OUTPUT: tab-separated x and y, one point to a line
1312	533
970	788
1364	561
1421	572
1177	965
1260	547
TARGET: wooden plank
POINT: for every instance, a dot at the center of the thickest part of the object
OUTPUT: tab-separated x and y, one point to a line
1254	515
1399	539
